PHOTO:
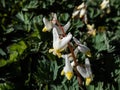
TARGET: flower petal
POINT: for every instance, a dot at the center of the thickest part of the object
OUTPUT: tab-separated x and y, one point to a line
88	81
82	71
47	24
82	12
81	6
68	68
75	13
88	67
63	42
55	35
66	27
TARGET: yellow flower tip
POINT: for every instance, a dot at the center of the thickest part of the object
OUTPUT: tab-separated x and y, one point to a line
44	29
59	56
51	50
58	53
62	72
55	52
88	53
69	75
88	81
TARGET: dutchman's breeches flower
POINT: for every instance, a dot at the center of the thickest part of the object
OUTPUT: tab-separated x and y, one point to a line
104	4
68	69
80	10
48	25
86	71
59	44
84	49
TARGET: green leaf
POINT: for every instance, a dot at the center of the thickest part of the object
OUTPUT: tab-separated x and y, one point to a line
2	62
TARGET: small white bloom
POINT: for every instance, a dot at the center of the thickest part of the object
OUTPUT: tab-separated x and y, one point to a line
81	6
75	13
80	11
84	49
48	25
86	71
104	4
68	69
51	24
59	44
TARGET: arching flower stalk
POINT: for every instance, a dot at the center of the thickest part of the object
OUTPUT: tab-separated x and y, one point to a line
61	41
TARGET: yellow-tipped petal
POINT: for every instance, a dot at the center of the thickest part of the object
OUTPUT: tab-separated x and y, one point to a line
44	29
69	75
88	53
51	50
58	53
62	72
88	81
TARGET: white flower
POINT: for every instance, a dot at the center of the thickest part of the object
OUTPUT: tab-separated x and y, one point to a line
48	25
75	13
80	10
84	49
59	44
104	4
68	69
86	71
81	6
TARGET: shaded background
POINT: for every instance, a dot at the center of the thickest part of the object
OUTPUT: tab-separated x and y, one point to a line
25	63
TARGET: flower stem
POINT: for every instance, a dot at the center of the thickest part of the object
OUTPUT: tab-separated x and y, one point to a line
73	55
69	46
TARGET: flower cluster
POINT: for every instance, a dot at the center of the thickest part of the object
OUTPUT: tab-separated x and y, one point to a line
64	41
61	41
105	6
